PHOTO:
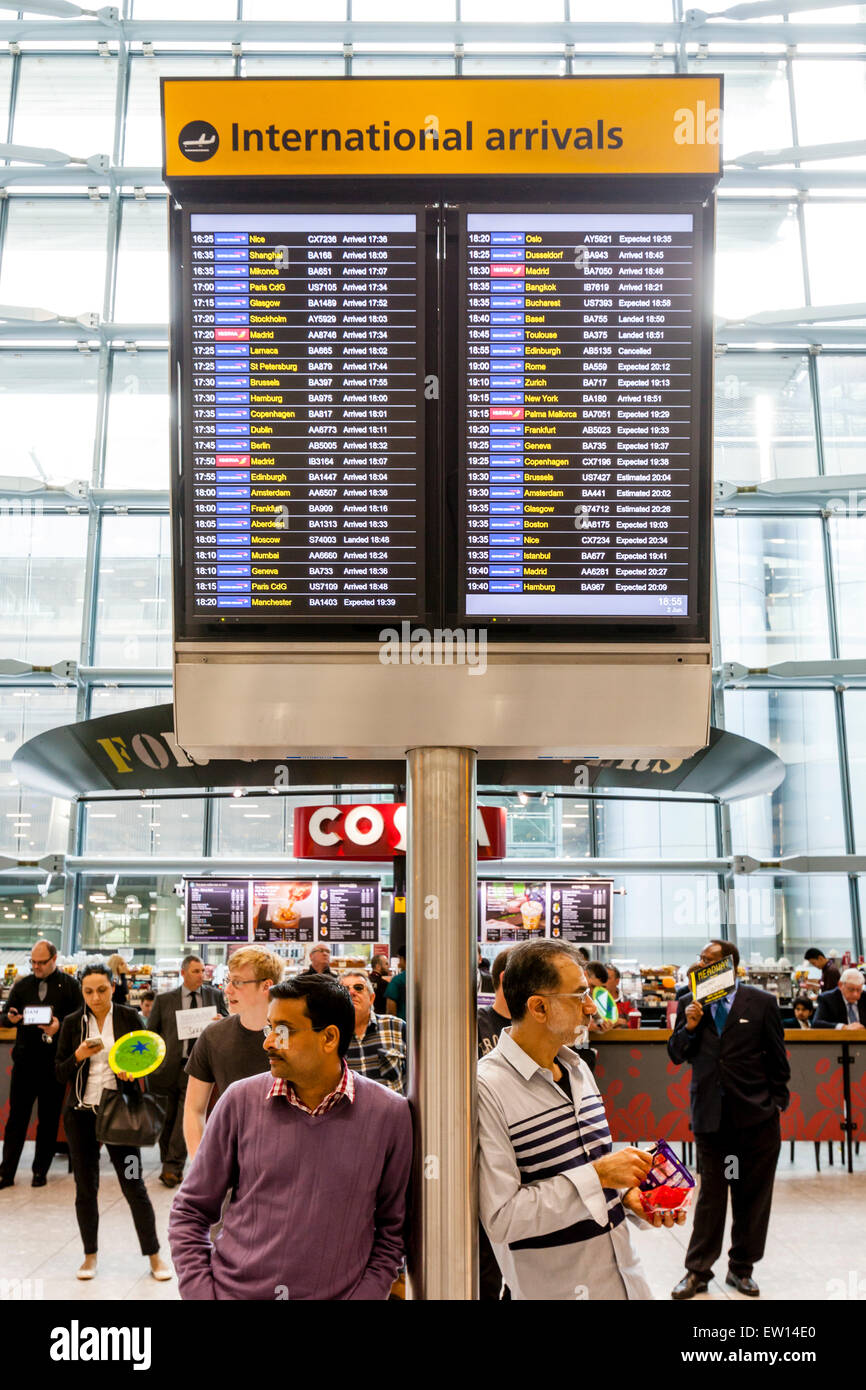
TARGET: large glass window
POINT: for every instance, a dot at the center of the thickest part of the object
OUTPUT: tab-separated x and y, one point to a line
66	103
136	452
804	814
847	542
48	400
822	90
771	589
835	279
41	585
141	294
665	830
135	914
141	828
133	596
28	912
757	104
758	262
764	421
842	390
780	918
54	255
31	823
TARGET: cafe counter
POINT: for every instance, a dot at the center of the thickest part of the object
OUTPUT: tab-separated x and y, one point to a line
646	1095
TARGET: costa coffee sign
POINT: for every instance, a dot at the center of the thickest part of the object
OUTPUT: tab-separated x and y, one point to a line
378	831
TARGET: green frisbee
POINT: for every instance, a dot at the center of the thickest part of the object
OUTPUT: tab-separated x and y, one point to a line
137	1053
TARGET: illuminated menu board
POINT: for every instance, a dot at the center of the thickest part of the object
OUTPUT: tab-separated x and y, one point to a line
300	407
217	910
582	911
580	422
348	911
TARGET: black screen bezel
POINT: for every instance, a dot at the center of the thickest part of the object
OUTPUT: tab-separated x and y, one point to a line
230	626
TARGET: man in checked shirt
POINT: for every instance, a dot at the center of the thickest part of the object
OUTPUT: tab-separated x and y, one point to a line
378	1046
550	1185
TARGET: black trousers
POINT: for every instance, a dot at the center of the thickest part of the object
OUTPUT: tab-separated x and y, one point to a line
744	1161
84	1151
172	1145
32	1083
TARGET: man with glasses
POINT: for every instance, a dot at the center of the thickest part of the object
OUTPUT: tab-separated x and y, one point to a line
232	1048
378	1046
550	1185
33	1058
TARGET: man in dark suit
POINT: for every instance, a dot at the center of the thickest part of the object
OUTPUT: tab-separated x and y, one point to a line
844	1006
740	1073
170	1079
33	1058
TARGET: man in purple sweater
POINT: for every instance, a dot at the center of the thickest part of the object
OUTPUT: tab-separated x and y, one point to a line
317	1159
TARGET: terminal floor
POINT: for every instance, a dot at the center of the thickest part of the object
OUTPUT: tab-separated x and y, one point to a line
39	1239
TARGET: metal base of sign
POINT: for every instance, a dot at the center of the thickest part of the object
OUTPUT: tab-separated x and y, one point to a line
263	700
441	978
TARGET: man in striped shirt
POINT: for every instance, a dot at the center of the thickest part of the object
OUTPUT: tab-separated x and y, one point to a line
550	1183
378	1046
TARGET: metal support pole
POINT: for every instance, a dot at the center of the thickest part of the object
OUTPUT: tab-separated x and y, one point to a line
441	965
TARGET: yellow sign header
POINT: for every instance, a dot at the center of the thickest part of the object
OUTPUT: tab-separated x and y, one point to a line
297	127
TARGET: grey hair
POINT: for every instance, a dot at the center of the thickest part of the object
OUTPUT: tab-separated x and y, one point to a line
850	975
358	975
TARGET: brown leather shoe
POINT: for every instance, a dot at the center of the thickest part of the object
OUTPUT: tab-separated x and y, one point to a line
169	1179
688	1286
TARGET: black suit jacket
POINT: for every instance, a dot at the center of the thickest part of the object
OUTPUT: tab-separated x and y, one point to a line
163	1020
63	995
73	1032
748	1061
833	1009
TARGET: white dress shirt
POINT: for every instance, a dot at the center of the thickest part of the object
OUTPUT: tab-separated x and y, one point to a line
100	1077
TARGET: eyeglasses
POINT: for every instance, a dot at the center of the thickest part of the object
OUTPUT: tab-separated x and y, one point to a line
236	984
582	994
43	960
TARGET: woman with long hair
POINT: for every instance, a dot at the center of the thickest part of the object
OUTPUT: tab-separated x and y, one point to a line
86	1038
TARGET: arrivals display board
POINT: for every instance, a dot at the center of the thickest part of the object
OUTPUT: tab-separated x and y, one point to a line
442	353
301	451
579	486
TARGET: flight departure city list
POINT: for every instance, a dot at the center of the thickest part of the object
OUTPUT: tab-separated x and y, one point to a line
307	484
580	338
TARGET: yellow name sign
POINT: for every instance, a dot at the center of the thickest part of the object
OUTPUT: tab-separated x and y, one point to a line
296	127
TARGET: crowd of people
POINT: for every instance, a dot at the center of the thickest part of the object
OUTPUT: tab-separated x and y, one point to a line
290	1107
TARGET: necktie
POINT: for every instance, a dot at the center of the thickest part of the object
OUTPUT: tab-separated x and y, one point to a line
42	990
720	1015
852	1013
193	1003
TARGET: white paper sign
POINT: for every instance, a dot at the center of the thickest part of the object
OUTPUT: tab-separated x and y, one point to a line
191	1023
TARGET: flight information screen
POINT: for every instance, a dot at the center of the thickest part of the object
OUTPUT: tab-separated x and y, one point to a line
579	411
301	398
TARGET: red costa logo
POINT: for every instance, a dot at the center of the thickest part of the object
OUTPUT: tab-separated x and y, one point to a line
378	831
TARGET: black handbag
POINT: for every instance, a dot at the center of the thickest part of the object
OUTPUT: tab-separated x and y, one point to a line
132	1118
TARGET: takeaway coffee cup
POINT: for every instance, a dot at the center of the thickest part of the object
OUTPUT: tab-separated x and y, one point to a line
634	1018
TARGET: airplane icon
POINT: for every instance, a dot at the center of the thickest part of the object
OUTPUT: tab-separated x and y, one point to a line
201	143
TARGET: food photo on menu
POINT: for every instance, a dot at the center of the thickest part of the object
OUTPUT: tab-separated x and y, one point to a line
514	911
284	911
